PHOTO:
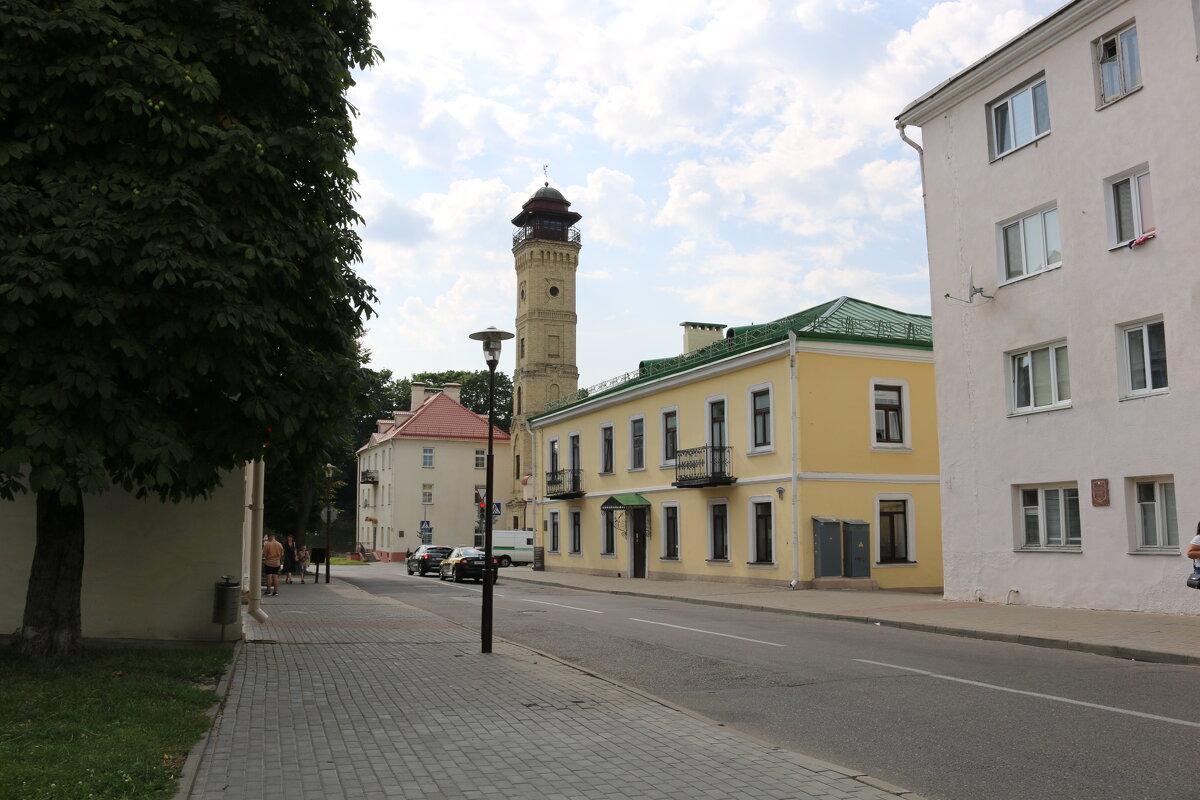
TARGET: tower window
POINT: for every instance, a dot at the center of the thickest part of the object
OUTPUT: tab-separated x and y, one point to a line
554	291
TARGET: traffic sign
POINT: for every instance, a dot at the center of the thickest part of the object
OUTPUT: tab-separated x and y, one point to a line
329	514
496	507
426	526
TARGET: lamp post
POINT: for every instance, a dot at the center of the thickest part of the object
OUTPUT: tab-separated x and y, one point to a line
328	513
491	339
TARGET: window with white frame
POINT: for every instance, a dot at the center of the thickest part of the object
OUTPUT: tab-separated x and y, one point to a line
480	459
427	494
576	531
1030	244
637	443
890	418
426	457
608	533
552	463
670	435
1130	203
762	541
1049	517
607	457
1157	524
670	530
761	433
893	515
718	531
1019	118
1118	64
1145	346
1041	378
554	531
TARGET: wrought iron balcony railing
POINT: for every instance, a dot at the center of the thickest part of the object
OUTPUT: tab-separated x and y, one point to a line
564	484
703	466
547	229
370	476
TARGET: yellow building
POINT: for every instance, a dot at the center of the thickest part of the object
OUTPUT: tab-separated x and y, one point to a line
803	450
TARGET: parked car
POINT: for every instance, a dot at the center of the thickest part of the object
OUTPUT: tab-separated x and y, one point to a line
466	562
427	558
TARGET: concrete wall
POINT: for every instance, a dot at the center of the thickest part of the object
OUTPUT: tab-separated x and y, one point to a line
987	451
149	567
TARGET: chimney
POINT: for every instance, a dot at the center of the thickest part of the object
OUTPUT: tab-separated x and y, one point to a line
453	391
418	395
700	334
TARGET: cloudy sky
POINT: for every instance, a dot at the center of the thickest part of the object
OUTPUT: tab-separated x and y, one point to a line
734	160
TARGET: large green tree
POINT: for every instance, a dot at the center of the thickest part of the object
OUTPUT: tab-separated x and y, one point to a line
177	245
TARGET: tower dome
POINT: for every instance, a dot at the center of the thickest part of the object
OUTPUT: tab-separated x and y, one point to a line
547	192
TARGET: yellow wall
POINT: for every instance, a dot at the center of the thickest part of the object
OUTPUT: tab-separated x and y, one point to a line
841	474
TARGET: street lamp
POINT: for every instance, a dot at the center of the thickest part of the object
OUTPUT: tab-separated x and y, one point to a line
491	339
328	513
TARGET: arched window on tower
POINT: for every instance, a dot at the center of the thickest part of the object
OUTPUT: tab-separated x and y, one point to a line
553	392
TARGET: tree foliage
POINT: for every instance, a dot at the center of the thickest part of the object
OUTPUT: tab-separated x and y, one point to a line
177	242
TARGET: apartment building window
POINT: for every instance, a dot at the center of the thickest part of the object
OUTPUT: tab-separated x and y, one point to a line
480	459
894	530
889	414
763	544
760	417
553	465
1145	358
1156	520
1050	517
427	457
1130	207
553	531
718	531
670	433
637	443
427	494
1119	64
1020	118
575	454
1030	244
1041	378
607	460
670	531
608	537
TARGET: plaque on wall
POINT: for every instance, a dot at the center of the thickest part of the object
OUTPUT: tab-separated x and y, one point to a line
1100	492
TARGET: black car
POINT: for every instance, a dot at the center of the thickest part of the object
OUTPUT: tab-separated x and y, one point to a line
427	558
466	562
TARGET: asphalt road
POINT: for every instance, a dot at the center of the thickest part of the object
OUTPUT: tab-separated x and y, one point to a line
946	717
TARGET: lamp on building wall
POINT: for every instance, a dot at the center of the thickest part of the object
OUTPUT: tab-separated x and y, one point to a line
491	339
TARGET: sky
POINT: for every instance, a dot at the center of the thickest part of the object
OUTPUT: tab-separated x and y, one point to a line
734	161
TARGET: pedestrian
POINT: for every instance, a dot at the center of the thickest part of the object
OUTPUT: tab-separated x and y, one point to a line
1194	548
290	559
272	557
304	557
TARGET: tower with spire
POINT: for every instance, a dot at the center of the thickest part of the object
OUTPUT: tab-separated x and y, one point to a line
546	247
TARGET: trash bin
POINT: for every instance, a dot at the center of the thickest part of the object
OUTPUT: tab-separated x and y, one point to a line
227	599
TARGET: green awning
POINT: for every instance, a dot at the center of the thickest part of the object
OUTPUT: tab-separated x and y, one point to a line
619	502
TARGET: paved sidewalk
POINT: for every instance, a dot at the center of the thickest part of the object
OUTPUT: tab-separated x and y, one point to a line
342	694
1162	638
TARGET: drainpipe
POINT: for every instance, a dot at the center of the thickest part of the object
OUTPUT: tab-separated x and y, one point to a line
533	449
795	462
258	472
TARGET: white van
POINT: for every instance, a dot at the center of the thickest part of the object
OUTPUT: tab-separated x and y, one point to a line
510	547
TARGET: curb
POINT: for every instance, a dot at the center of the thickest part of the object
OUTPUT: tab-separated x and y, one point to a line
1094	648
191	764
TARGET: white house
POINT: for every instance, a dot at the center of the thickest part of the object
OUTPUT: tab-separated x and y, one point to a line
423	469
1060	178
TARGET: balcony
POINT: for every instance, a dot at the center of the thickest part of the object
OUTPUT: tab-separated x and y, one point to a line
370	476
564	484
698	467
552	230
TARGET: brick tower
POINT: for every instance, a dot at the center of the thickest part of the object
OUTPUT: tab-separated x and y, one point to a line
546	252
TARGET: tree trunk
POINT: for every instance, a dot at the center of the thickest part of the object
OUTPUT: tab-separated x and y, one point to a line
52	623
304	509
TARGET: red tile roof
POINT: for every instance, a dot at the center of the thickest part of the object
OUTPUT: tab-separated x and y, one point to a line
441	418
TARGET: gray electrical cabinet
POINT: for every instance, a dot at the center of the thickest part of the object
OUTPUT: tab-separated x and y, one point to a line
856	548
827	539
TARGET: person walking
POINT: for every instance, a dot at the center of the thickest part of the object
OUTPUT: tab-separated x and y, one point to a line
290	559
272	557
304	558
1193	550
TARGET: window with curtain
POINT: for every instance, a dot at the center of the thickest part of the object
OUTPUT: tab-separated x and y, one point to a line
637	443
670	532
1020	118
1146	357
1041	378
1133	207
718	529
764	536
761	402
1050	517
1119	62
1158	526
1031	244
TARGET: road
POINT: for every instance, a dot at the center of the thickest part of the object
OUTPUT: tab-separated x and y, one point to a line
946	717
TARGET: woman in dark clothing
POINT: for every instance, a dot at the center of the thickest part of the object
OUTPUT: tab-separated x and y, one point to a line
291	558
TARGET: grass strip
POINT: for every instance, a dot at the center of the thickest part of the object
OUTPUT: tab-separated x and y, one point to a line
115	723
338	561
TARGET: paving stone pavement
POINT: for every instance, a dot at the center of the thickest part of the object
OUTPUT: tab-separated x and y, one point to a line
341	694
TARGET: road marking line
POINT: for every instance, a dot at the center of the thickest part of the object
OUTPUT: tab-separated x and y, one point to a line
560	605
469	589
1053	697
710	633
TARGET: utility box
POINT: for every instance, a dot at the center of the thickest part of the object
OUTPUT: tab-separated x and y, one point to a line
827	542
856	548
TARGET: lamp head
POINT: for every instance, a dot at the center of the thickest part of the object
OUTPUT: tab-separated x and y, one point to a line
491	338
329	470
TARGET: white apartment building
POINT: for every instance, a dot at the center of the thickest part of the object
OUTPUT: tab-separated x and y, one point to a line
1060	177
422	470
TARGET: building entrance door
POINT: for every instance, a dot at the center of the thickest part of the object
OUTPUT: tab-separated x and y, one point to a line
638	519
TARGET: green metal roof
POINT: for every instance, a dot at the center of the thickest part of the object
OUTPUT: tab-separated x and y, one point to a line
628	500
842	320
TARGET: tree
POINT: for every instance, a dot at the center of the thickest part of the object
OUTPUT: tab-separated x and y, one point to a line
177	284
